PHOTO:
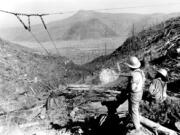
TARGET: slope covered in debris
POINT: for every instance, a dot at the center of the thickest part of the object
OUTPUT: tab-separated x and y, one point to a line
26	80
157	47
159	44
37	84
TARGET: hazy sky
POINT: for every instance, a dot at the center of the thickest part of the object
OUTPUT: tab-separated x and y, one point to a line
45	6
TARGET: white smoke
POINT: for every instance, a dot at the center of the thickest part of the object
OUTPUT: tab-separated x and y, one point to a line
108	75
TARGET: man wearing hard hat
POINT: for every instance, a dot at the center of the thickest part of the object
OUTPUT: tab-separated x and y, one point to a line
135	89
158	86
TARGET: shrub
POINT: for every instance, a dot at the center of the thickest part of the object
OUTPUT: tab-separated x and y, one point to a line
165	113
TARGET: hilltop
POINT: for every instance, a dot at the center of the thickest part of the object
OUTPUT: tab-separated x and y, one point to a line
158	42
88	25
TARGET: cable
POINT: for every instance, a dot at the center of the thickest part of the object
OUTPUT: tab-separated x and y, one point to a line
130	7
50	37
39	42
22	22
29	23
22	14
103	9
28	28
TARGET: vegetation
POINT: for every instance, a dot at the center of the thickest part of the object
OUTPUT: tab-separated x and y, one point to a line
27	79
156	47
166	113
31	80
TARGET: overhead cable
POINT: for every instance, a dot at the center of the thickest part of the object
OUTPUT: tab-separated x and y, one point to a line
50	37
29	29
103	9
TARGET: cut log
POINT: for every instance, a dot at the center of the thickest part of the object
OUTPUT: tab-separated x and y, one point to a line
155	126
84	87
29	124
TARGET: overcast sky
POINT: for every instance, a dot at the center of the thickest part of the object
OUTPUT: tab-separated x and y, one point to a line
45	6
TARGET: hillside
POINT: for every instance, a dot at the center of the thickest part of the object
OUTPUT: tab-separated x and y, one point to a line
29	83
158	43
88	25
90	29
26	77
156	47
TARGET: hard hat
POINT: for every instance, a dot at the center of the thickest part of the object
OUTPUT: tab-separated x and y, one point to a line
133	62
162	72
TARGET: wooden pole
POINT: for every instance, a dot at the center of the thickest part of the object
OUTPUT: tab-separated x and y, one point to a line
156	127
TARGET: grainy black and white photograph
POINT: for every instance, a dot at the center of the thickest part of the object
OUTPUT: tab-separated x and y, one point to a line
89	67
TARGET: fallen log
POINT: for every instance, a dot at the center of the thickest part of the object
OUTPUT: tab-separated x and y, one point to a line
29	124
83	87
39	107
156	127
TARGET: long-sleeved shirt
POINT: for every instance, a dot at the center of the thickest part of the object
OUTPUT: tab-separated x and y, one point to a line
137	81
158	89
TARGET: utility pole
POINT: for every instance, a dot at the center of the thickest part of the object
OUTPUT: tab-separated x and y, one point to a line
133	33
81	59
105	49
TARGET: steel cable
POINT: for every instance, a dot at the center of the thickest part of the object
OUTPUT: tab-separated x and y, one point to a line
29	29
50	37
39	42
103	9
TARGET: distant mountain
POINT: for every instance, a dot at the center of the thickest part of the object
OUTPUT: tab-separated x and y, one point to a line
88	25
160	43
90	29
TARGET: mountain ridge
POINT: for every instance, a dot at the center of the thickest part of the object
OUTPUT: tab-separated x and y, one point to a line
120	24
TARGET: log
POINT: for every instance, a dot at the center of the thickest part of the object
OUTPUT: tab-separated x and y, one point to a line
84	87
29	124
22	110
155	126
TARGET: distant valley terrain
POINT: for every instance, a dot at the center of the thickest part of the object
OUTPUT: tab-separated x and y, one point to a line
36	87
85	35
88	25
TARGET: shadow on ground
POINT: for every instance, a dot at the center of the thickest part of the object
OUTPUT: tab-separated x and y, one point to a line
174	86
103	124
106	124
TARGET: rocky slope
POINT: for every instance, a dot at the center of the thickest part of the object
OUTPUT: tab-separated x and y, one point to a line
26	80
157	47
158	43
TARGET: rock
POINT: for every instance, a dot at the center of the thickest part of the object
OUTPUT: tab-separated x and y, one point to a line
64	132
177	125
43	113
141	132
73	113
13	130
40	133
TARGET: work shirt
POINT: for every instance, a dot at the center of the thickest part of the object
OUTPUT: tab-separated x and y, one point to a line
133	93
158	89
136	85
137	80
